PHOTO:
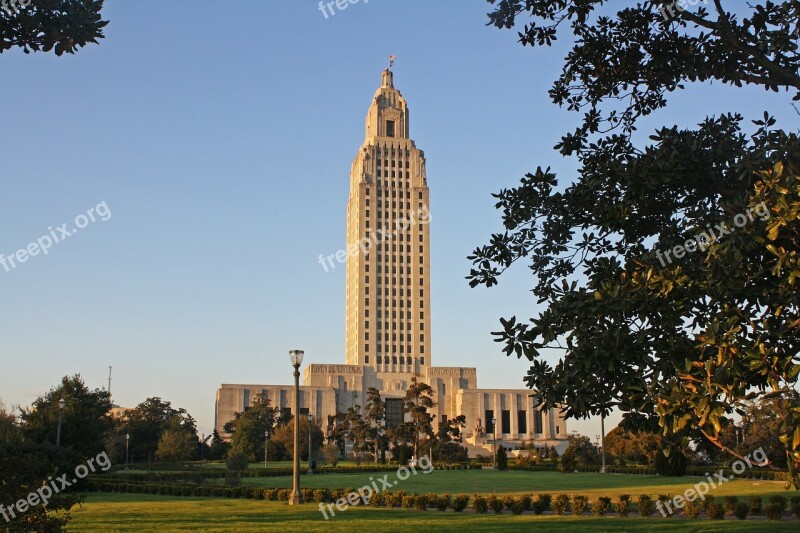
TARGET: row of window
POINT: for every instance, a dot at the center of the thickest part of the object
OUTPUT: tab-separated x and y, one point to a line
394	336
505	421
386	163
385	347
407	360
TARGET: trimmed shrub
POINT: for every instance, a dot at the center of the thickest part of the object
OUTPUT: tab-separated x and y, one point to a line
443	502
421	503
773	511
408	502
674	465
495	503
796	509
741	510
559	505
705	503
526	502
502	458
778	500
664	499
601	506
460	502
691	509
579	504
430	499
756	504
479	504
716	511
646	506
376	499
730	504
623	504
517	507
508	502
538	507
545	499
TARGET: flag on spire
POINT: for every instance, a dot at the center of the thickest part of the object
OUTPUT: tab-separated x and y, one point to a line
391	60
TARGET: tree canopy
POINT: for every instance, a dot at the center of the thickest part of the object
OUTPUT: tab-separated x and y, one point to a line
668	268
50	25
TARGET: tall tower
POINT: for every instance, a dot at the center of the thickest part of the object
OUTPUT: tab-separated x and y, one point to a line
388	261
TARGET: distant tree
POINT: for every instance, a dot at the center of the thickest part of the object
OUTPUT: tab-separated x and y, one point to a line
147	421
760	427
419	398
582	449
176	444
452	429
218	448
45	25
248	427
25	466
374	417
641	446
552	454
85	419
502	458
331	453
283	436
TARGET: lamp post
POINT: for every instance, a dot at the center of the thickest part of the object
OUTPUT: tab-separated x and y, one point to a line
603	443
494	443
127	449
297	360
310	468
202	447
61	405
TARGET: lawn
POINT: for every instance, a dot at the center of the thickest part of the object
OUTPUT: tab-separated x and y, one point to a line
119	512
518	481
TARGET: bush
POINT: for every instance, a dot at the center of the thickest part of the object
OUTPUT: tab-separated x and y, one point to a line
691	509
730	504
320	495
408	502
517	507
774	511
646	507
755	504
705	503
664	500
796	509
559	505
538	507
460	502
421	503
391	500
716	511
479	504
502	458
741	510
376	500
601	506
508	502
495	503
623	504
545	499
579	504
778	500
526	502
568	462
443	502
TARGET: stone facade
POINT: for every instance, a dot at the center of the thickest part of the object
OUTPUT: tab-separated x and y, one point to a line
387	326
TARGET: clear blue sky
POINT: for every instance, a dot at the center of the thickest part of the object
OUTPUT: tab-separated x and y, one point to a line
220	136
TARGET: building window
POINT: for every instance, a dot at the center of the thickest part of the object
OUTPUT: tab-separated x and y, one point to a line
379	359
505	419
537	421
366	347
422	360
390	128
522	422
366	359
394	359
394	412
487	421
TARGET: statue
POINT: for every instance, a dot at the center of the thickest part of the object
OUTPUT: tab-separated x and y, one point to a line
479	431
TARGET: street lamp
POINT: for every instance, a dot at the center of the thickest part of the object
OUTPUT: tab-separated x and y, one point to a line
61	405
297	360
603	442
310	468
127	449
494	442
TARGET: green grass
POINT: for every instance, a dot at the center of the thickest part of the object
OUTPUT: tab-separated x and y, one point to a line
115	512
517	482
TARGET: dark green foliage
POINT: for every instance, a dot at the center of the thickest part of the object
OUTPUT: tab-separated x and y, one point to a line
526	502
502	458
409	502
646	506
730	504
646	328
560	503
568	462
538	507
601	506
706	502
508	501
741	510
673	465
777	499
460	502
623	504
716	511
443	502
57	25
773	511
579	504
756	504
495	503
691	509
420	503
517	507
479	504
546	499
